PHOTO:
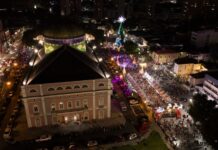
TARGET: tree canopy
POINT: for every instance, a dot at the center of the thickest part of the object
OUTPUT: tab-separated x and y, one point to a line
130	47
204	111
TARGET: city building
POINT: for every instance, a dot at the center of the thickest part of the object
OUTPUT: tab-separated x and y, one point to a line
186	66
204	38
66	85
210	86
166	56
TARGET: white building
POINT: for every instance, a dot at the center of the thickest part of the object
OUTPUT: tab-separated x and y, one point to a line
210	85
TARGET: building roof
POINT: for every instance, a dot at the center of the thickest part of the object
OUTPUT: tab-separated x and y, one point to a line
65	64
63	31
166	51
186	60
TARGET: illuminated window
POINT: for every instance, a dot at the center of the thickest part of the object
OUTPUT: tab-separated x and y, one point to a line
61	105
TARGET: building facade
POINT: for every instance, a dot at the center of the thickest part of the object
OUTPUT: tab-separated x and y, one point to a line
210	86
166	56
66	86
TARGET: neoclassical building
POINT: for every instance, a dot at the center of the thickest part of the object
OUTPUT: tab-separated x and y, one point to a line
66	85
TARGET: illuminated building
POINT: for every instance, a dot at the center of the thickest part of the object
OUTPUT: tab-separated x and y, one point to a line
66	86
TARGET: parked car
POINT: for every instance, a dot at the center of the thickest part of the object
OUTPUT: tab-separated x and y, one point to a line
133	136
92	143
123	106
44	138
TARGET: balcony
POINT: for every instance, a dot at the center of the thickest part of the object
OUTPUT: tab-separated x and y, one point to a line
70	110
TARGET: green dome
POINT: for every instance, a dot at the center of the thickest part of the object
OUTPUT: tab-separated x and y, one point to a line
65	31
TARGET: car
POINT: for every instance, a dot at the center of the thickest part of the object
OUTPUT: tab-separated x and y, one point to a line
123	106
133	136
45	137
92	143
7	133
10	94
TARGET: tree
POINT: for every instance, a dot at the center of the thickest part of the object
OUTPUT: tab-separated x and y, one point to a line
205	111
28	37
130	47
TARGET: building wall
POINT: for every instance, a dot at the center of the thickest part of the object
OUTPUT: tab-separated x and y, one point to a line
67	101
164	57
186	69
210	87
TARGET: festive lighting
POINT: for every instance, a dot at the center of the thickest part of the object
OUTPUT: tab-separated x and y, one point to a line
121	19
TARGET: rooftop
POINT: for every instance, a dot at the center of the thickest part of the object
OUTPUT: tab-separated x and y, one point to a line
63	31
65	64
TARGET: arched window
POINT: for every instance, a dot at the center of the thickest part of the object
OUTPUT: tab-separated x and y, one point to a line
76	87
51	89
85	86
59	88
32	91
68	88
101	84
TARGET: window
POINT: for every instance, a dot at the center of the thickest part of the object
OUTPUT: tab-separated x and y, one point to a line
101	114
32	91
76	87
59	88
77	103
85	103
53	107
61	105
85	86
35	109
101	84
101	102
86	116
69	104
68	88
51	89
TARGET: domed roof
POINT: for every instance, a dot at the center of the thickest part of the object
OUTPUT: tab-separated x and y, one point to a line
63	31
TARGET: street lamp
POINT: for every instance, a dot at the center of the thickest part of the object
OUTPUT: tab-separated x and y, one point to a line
8	83
15	64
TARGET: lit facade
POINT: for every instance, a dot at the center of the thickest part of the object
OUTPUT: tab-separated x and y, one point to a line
161	57
50	104
210	86
66	86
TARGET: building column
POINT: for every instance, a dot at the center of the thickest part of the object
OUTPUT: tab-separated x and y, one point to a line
44	111
94	108
29	123
109	104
